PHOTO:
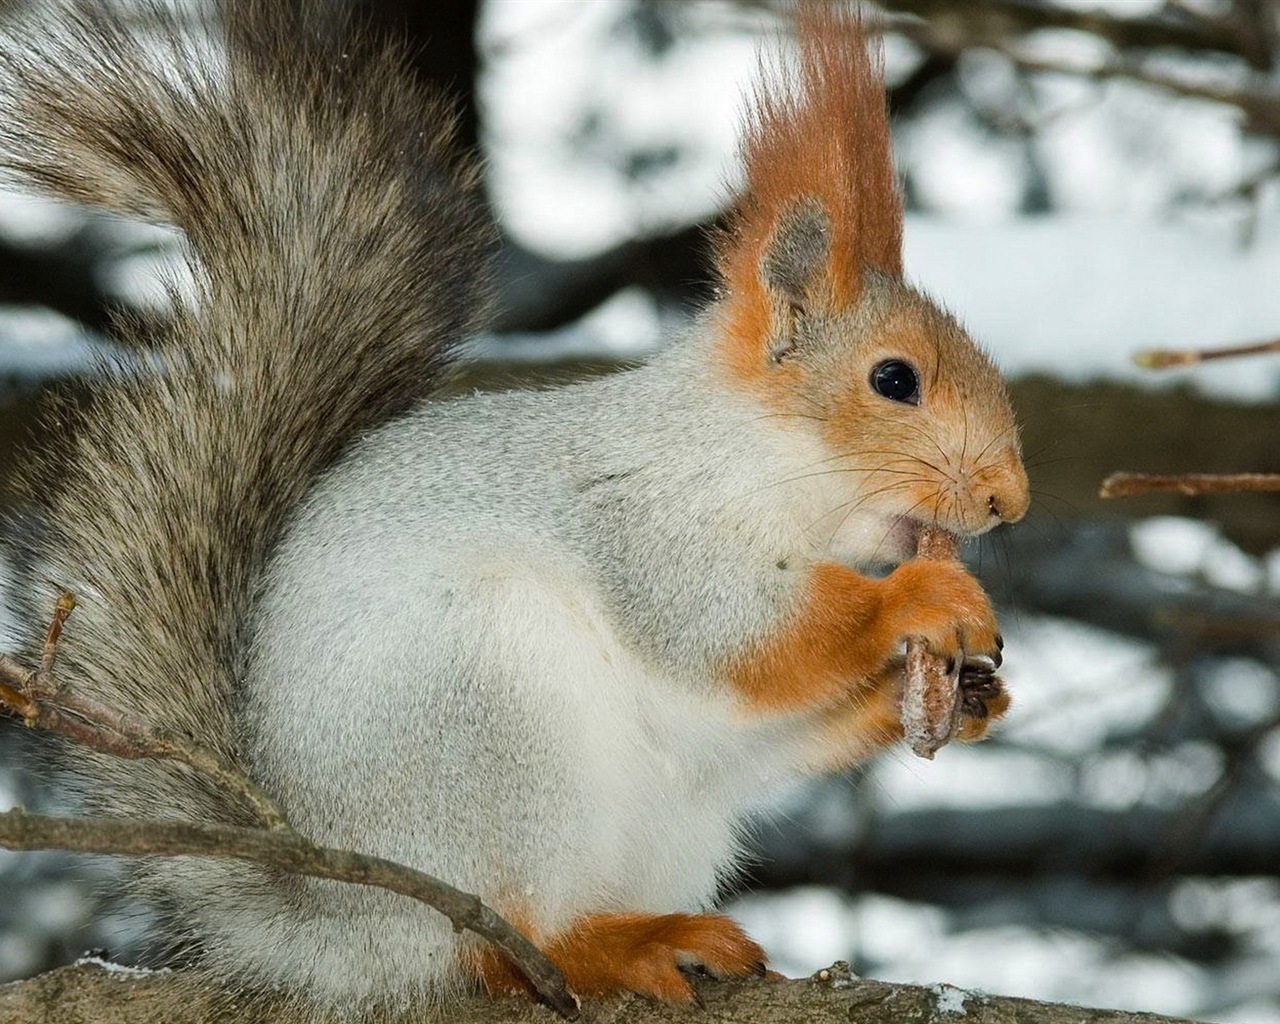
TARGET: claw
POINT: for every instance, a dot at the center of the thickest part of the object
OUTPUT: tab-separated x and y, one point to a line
978	684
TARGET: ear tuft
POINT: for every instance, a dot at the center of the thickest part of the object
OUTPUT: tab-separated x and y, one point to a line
821	204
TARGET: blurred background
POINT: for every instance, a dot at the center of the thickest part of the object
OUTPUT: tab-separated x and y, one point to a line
1083	180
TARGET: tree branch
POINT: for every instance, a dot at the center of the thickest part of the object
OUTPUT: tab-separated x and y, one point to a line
43	702
951	36
1163	358
284	848
1193	32
832	996
1130	485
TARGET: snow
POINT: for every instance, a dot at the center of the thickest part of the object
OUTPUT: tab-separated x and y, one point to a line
1242	692
1271	567
1074	685
36	343
1075	297
1269	755
1172	544
581	108
121	971
950	1000
19	957
969	777
912	943
1188	547
27	218
803	931
628	325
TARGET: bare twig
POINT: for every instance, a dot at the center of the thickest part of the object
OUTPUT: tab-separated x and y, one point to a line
43	703
951	36
62	609
1192	32
931	693
1129	485
1163	358
288	850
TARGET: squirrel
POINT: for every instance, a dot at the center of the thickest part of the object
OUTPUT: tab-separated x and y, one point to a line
549	646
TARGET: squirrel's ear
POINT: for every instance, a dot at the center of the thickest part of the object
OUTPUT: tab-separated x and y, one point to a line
794	264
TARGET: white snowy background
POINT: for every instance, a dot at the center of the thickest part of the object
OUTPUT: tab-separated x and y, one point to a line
595	137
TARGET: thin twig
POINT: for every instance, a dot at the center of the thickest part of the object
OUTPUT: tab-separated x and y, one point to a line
1194	33
44	703
1129	485
289	851
1163	358
62	610
1258	100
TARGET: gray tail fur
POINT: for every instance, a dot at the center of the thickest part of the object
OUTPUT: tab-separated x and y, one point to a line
338	254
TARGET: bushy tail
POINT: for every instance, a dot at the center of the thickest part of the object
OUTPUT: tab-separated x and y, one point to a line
338	255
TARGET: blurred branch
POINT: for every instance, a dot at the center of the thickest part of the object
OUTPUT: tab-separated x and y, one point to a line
999	19
540	294
1259	103
1192	826
1129	485
1163	358
910	851
1089	574
60	275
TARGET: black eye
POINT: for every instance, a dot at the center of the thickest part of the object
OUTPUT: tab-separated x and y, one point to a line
896	381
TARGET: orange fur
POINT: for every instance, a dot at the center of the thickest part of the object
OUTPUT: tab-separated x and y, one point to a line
865	722
834	639
952	471
869	719
608	954
847	627
817	128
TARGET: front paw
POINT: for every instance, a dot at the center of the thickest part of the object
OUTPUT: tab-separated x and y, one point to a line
941	603
983	700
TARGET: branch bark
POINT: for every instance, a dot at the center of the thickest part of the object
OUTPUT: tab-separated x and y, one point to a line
1163	358
1130	485
950	36
42	701
284	848
89	993
1195	33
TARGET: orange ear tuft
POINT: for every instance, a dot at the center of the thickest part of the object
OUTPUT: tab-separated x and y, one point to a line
817	131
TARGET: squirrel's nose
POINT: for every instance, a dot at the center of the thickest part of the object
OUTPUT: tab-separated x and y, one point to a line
1009	495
